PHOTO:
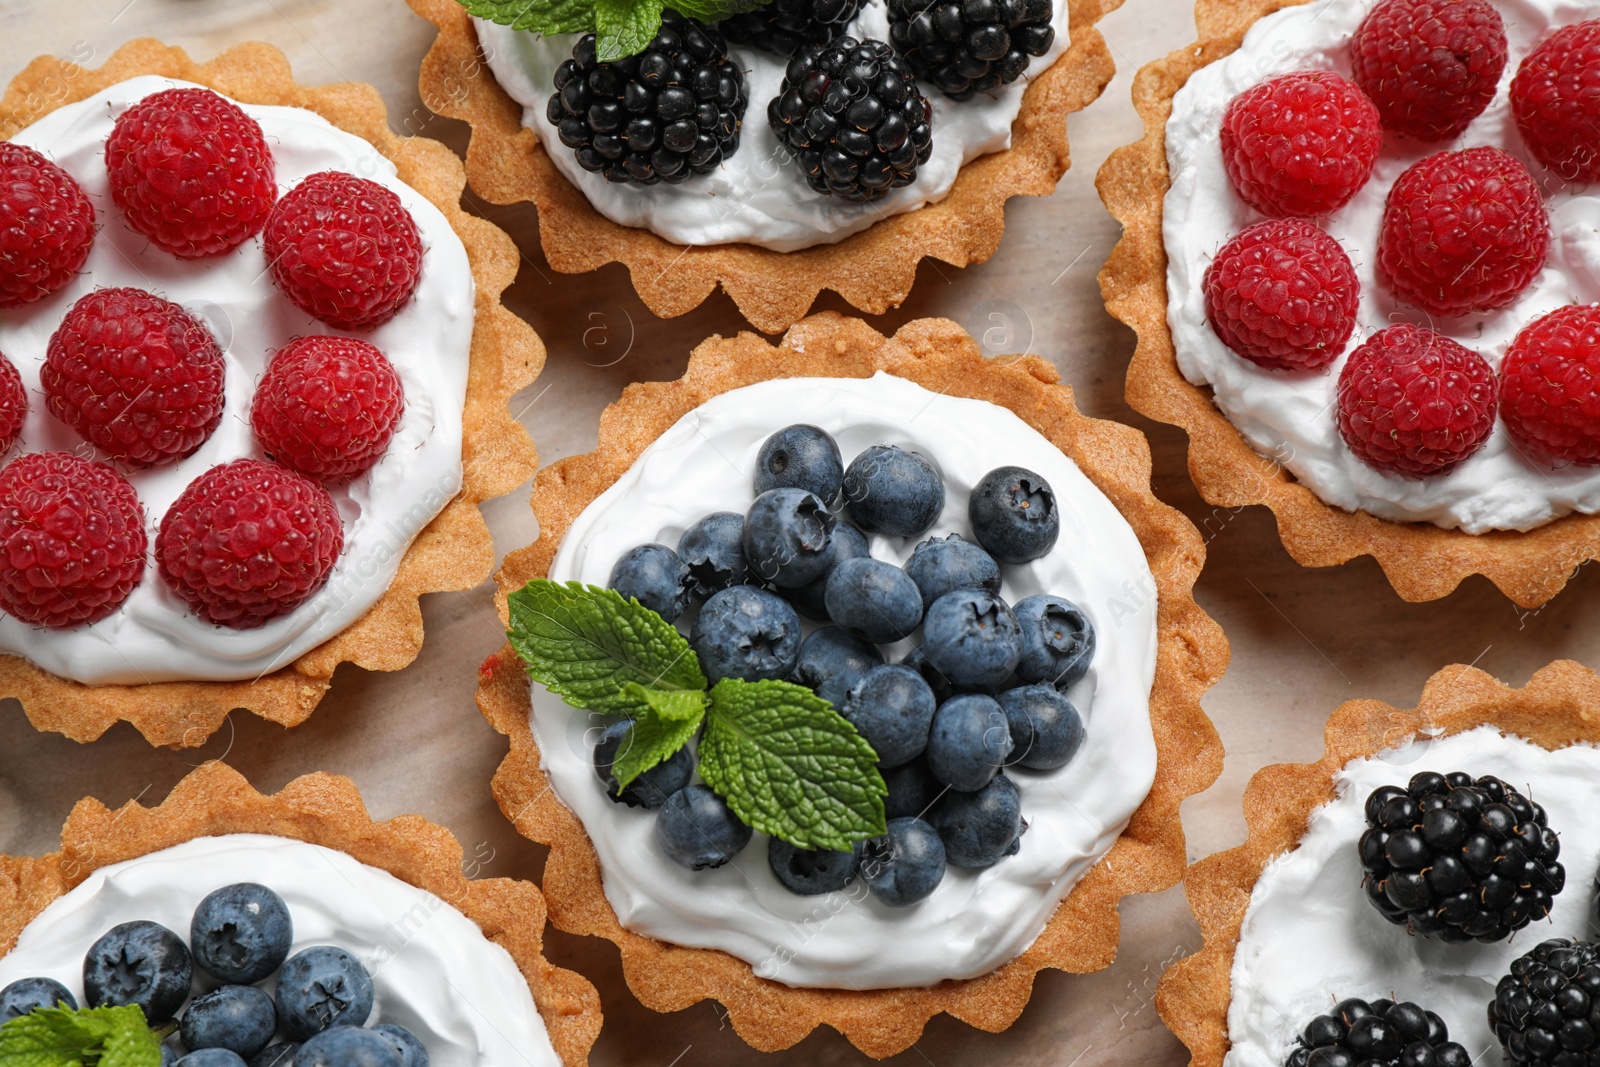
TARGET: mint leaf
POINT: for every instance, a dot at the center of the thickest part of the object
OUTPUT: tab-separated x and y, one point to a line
625	27
713	10
657	734
537	16
586	644
131	1043
67	1037
791	766
674	704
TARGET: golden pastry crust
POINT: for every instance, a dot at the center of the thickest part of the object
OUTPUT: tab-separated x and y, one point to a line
1559	706
873	270
454	552
1082	936
320	809
1421	561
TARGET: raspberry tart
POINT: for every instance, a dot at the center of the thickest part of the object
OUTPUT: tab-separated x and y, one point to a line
252	391
853	671
1357	255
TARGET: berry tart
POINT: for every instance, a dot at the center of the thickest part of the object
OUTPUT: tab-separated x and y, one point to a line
863	718
224	928
1359	255
251	395
700	145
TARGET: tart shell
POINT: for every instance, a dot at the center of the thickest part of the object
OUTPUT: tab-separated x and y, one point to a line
1421	561
873	270
452	553
1082	935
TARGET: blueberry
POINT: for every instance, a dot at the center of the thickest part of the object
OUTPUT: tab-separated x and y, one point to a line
169	1058
745	632
349	1046
652	788
1046	730
140	963
696	828
279	1055
801	457
943	688
905	865
1014	515
810	599
942	565
912	790
831	661
1057	640
892	707
412	1051
25	994
968	742
873	600
211	1057
241	933
978	829
786	537
810	872
239	1018
322	986
713	551
655	577
893	491
972	638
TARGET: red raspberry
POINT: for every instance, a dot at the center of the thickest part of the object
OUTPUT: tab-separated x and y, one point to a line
248	541
345	250
1463	232
46	226
1415	402
1300	144
191	172
137	376
1430	66
1283	295
1556	98
72	539
1550	385
13	405
327	406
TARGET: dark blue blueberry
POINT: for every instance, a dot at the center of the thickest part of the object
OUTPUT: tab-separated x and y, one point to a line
213	1057
241	933
942	565
943	688
905	865
892	707
349	1046
652	788
978	829
140	963
655	577
810	872
1046	730
873	600
411	1049
810	599
801	457
745	632
319	987
1057	640
1014	515
968	742
786	537
831	661
239	1018
972	638
279	1055
25	994
912	790
713	550
893	491
697	829
169	1058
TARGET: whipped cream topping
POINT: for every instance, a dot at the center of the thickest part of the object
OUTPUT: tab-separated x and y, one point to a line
154	637
433	970
977	919
759	195
1311	938
1291	416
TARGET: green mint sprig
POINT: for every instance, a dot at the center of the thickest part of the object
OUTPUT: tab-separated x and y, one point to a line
782	758
622	27
80	1037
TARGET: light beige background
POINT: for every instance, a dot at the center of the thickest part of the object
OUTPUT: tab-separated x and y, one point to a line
1302	640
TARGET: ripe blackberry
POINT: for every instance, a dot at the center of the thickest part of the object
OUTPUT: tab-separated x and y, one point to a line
1379	1034
852	114
970	46
1459	858
783	27
1547	1010
664	115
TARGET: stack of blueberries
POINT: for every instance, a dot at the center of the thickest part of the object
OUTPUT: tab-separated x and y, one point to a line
981	692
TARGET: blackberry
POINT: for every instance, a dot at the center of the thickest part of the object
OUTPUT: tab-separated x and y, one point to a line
1547	1010
668	113
1377	1034
970	46
783	27
1459	858
851	113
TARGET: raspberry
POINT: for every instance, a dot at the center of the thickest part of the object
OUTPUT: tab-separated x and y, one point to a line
1415	402
248	541
1283	295
1430	66
1550	385
191	172
327	406
1300	144
46	226
137	376
1463	232
345	250
72	539
1556	96
13	405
